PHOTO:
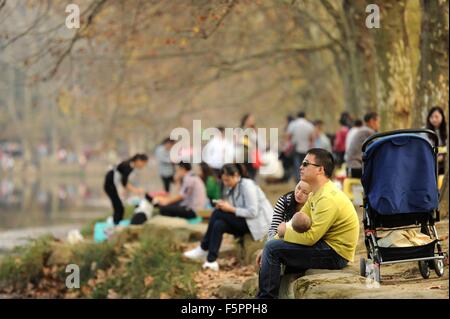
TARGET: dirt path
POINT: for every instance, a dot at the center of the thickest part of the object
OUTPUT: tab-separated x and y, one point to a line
407	275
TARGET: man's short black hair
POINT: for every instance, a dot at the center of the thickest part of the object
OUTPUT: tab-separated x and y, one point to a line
318	122
168	140
370	116
301	114
323	158
186	166
357	123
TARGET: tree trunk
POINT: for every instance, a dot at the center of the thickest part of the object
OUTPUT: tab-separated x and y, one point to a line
395	89
360	56
20	125
432	84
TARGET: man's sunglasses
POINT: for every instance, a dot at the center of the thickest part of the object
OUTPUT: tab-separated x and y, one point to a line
306	164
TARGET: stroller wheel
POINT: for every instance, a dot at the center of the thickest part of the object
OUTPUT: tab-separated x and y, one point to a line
438	267
424	269
362	267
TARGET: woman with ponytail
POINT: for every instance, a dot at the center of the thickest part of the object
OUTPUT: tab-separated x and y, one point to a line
244	210
116	182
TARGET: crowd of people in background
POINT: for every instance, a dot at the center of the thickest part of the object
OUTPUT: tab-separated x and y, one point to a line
302	135
239	206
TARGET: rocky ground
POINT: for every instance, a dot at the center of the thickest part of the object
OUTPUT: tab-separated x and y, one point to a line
136	262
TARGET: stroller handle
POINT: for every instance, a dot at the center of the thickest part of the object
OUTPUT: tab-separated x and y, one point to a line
379	135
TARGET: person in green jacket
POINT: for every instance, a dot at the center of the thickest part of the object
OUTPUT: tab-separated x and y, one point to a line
213	187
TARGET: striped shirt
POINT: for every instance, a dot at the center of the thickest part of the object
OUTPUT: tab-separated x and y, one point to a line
282	212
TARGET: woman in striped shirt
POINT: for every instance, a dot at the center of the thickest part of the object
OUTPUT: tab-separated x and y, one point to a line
286	206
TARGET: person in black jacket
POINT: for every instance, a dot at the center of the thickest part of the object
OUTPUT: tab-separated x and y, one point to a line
117	178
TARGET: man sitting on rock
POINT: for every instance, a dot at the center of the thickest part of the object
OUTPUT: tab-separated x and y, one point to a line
331	241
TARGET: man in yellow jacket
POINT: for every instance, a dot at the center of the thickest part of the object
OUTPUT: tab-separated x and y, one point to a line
331	241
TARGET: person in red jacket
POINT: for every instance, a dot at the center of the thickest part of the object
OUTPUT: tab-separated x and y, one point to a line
339	142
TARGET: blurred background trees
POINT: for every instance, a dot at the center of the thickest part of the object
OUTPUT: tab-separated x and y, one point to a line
136	69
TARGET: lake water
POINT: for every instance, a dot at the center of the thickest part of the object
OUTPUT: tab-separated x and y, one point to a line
26	204
55	204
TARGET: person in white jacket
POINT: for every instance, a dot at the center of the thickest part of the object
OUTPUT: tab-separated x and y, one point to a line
245	210
217	151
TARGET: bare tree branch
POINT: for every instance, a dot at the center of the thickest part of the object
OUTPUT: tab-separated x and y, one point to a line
222	18
96	7
272	53
2	4
323	29
35	23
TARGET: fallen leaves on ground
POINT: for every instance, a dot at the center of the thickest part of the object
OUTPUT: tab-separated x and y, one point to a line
164	295
112	294
207	281
148	281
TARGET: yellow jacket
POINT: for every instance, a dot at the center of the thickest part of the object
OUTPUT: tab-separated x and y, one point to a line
333	218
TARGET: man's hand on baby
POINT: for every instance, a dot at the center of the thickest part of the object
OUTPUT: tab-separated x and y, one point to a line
281	230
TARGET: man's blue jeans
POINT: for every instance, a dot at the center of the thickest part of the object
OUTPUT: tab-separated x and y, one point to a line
277	252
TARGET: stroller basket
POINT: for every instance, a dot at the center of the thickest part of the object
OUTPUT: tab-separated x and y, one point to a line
403	253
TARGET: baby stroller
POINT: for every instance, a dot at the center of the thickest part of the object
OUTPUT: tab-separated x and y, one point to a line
400	191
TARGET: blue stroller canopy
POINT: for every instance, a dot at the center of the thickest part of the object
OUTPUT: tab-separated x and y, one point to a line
399	175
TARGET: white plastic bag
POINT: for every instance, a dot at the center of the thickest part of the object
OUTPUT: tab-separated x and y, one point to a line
74	237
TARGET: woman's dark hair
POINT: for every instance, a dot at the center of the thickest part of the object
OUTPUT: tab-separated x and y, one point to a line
186	166
244	119
442	127
139	157
345	119
206	171
343	122
292	208
232	169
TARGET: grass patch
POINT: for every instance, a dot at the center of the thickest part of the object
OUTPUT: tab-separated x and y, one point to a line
25	264
154	270
139	263
91	257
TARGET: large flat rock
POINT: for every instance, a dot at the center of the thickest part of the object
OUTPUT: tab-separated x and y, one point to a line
178	227
247	249
176	222
344	285
238	290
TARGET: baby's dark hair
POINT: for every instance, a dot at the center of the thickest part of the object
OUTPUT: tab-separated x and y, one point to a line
301	222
